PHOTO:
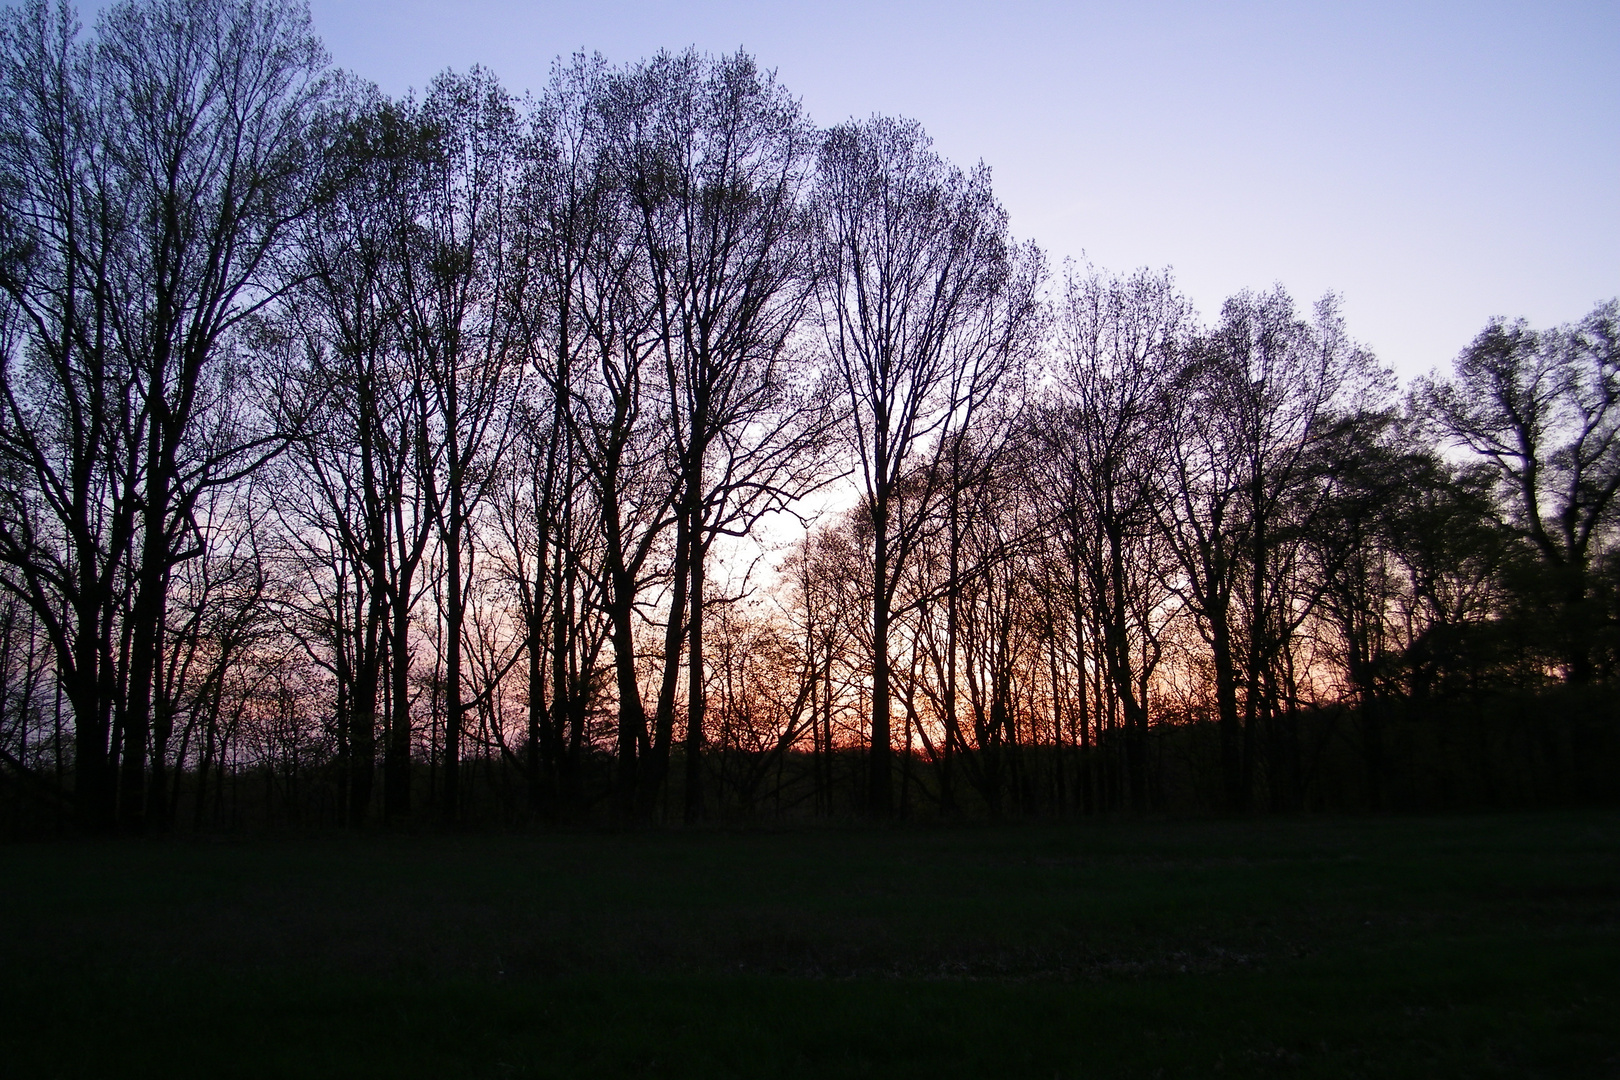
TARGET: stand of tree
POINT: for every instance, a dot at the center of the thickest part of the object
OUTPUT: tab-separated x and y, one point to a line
366	460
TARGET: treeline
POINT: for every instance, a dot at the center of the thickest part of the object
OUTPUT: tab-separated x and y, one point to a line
371	459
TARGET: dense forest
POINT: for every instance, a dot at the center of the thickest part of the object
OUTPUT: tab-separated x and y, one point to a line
640	451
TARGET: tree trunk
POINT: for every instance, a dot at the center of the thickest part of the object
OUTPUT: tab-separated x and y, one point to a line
879	800
656	773
1231	726
454	609
694	687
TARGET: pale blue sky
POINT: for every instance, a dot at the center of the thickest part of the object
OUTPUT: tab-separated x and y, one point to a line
1436	163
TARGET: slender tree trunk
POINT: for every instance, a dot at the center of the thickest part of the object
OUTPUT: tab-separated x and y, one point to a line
567	704
210	742
697	550
953	616
370	622
694	688
879	800
538	787
827	732
397	754
1083	701
363	721
1231	726
163	709
1060	775
454	608
1117	640
146	616
621	612
656	774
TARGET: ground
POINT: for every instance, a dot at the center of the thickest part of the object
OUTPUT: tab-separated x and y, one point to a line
1378	947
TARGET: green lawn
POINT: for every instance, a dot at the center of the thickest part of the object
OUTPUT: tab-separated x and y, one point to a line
1468	946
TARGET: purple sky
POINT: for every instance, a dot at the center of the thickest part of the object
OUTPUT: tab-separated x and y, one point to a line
1436	163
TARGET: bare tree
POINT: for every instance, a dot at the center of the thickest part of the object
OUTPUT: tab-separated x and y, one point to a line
595	328
353	499
69	458
456	293
716	170
927	306
1252	396
1102	457
569	236
185	124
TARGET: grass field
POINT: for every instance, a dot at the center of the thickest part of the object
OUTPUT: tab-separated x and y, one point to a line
1468	946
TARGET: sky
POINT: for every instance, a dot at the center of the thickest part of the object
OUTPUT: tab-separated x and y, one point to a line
1435	164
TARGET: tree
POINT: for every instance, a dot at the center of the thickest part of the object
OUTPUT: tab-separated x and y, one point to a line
716	170
926	306
597	335
352	497
1542	409
69	499
1252	396
1100	462
155	176
457	290
571	237
1409	568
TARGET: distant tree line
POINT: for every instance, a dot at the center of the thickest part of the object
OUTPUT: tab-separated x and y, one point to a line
365	459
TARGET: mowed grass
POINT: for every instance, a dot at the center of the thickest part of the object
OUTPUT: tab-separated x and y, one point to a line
1466	946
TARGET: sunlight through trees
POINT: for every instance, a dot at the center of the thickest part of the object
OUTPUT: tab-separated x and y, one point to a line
639	450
